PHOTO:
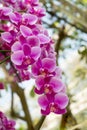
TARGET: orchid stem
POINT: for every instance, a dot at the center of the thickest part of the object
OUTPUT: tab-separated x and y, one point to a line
5	59
5	51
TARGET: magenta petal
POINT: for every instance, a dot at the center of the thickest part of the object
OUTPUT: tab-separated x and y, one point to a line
16	46
27	50
38	91
64	89
17	57
42	12
43	102
61	100
25	31
35	1
6	11
35	70
43	38
22	40
13	1
6	36
32	19
58	72
60	111
45	112
13	18
35	52
49	64
56	84
33	41
40	82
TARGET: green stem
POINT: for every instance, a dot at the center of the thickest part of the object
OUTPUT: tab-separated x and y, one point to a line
5	50
1	31
5	59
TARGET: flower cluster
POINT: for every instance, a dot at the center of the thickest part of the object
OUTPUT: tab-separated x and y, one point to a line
31	47
6	124
49	85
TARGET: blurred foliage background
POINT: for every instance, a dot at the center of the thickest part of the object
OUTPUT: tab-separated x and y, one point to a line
66	21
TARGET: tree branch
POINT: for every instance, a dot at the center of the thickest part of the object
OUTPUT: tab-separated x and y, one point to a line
53	14
39	124
20	92
74	13
58	44
13	113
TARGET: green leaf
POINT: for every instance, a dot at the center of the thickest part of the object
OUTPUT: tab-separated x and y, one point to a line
32	93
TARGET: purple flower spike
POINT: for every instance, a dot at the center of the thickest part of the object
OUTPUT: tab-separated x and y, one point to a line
32	53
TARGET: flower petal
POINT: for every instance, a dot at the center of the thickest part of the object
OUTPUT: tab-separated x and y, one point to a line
35	70
32	19
6	36
38	91
56	84
45	112
43	38
35	53
17	57
26	49
22	40
43	102
6	11
13	18
25	31
60	111
64	89
58	72
33	41
40	82
16	46
62	100
49	64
